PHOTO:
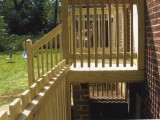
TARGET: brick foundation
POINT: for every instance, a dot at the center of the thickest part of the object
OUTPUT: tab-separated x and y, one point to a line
81	102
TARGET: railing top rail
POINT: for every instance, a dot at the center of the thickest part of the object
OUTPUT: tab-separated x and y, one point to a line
84	2
53	33
99	11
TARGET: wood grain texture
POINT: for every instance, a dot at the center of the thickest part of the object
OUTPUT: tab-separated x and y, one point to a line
4	115
15	109
106	76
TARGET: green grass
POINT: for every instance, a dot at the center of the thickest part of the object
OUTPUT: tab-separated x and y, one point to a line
13	77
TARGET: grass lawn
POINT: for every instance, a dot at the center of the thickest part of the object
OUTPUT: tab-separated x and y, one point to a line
13	77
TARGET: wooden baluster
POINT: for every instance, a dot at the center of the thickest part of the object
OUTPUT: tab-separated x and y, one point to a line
56	57
74	34
103	35
102	90
95	32
42	58
99	31
38	65
126	91
110	35
88	32
51	50
92	90
131	31
47	57
84	36
121	90
61	52
112	90
80	31
117	34
107	95
97	89
124	33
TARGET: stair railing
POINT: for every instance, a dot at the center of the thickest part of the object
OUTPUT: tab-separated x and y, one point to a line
45	54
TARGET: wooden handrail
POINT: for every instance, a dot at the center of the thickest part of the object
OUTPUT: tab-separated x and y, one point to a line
47	37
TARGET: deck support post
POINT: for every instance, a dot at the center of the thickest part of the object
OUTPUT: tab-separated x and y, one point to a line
141	34
65	36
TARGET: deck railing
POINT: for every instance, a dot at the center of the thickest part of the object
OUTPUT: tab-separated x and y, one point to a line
46	98
44	55
105	32
86	40
108	91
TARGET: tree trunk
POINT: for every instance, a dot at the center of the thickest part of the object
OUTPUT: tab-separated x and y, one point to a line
55	13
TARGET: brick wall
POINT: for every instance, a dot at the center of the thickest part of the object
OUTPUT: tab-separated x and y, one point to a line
80	109
150	91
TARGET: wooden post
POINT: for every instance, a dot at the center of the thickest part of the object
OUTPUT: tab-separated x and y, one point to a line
65	37
30	62
141	34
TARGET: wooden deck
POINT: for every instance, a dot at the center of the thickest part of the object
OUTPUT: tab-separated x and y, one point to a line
105	74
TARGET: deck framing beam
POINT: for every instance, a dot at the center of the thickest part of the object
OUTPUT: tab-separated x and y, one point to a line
106	76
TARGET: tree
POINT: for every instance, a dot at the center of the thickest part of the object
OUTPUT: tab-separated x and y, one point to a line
3	34
55	13
18	4
31	16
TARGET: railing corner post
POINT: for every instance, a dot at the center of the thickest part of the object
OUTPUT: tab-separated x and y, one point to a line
30	62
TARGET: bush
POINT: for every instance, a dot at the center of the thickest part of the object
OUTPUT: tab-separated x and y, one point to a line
15	42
